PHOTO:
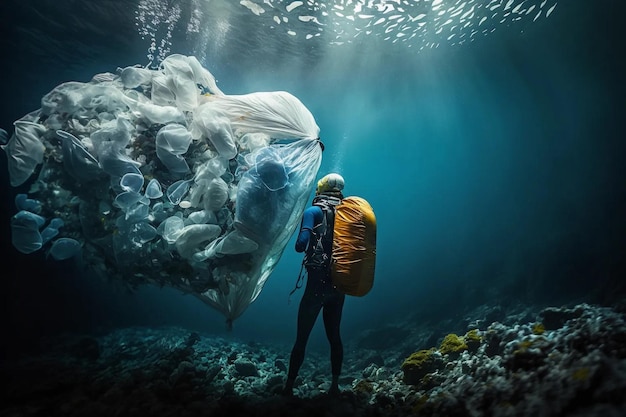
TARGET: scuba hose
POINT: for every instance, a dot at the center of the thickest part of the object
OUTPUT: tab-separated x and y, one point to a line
299	281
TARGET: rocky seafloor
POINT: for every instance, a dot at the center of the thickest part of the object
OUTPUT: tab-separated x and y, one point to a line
557	361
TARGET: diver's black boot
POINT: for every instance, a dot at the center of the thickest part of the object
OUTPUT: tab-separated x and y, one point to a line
334	387
288	389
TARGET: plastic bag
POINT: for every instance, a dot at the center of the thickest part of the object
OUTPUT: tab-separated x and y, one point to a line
161	178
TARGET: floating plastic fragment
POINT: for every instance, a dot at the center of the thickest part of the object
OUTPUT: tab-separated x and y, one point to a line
182	81
25	151
161	93
142	233
177	191
193	238
64	248
133	77
202	216
25	234
271	170
57	223
132	182
153	189
115	162
236	243
22	202
172	142
216	128
126	199
137	213
171	228
216	194
48	234
77	160
4	137
153	112
52	230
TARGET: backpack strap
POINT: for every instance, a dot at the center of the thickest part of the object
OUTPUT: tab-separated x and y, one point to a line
319	250
327	204
299	282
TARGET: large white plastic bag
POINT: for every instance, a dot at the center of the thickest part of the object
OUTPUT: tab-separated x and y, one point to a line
217	231
279	114
271	229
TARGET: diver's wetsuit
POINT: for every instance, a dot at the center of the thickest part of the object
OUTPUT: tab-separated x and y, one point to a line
319	293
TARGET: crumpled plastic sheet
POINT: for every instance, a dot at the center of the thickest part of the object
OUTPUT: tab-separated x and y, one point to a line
158	177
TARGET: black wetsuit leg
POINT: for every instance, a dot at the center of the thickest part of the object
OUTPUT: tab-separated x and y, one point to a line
309	309
333	307
318	293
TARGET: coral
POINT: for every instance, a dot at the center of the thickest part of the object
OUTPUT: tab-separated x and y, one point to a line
581	374
245	367
171	371
473	340
364	386
473	336
554	318
452	344
417	359
523	346
539	328
419	404
527	354
418	364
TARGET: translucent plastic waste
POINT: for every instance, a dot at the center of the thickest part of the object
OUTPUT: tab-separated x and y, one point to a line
133	77
64	248
25	231
4	137
77	160
51	230
22	202
155	176
154	190
172	142
25	151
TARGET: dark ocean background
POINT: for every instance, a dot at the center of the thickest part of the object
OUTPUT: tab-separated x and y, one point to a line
495	168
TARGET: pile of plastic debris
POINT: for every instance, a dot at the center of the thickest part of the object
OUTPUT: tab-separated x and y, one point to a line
158	177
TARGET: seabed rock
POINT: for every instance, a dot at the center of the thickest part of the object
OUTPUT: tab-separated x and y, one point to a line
578	369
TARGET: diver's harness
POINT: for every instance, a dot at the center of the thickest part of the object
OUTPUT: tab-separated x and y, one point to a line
316	257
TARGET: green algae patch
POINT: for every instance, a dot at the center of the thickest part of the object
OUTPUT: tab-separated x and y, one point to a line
418	364
452	344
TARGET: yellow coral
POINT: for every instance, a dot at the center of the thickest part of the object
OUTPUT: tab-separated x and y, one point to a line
473	336
418	359
539	328
581	374
420	363
452	344
523	346
473	340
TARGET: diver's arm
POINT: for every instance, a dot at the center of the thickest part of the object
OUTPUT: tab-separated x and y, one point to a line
308	222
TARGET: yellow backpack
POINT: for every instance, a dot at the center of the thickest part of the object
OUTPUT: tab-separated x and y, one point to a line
354	247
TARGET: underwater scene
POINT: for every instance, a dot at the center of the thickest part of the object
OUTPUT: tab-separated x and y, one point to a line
310	208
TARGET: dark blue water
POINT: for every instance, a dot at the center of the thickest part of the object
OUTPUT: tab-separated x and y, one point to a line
495	168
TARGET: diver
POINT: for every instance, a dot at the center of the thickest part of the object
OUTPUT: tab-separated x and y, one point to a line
316	238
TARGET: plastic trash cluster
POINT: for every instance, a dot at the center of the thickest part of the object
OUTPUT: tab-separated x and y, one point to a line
157	177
